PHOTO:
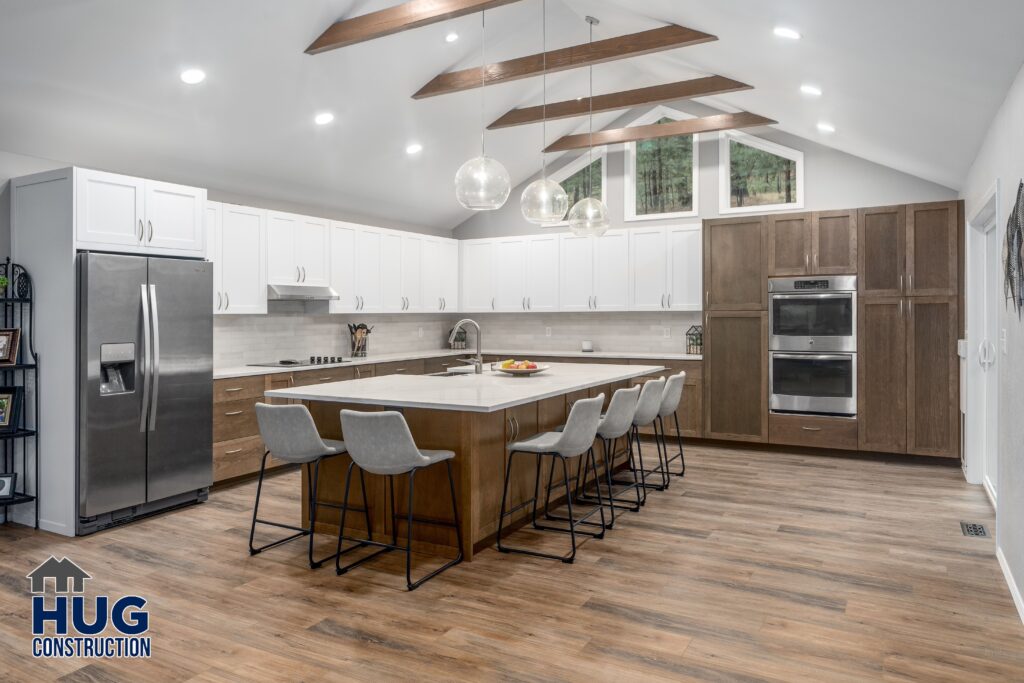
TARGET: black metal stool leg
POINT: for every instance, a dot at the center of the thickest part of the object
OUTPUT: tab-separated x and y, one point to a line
408	531
338	568
256	520
504	500
679	439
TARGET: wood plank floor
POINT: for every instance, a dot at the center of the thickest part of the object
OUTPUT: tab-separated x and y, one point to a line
759	566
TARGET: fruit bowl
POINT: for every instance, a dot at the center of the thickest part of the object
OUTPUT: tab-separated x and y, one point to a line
520	367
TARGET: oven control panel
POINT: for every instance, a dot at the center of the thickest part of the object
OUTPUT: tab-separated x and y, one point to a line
803	285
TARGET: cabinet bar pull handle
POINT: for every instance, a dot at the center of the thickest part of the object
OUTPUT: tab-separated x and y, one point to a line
227	301
670	301
910	282
234	413
707	298
219	301
807	261
663	301
811	429
298	274
150	224
326	379
142	231
232	390
237	450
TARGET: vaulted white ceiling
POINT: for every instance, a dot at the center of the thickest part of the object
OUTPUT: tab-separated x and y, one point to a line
911	84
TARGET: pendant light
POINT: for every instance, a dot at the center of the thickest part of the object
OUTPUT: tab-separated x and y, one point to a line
483	183
590	216
544	202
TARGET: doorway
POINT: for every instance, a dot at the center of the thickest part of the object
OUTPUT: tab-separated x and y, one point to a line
981	448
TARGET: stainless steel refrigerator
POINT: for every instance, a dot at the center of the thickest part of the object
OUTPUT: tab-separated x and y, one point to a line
145	386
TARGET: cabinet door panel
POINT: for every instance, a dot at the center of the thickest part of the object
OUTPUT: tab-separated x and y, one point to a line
881	250
214	229
282	262
882	374
243	260
735	264
174	217
450	276
932	249
542	273
110	209
368	270
412	273
736	376
932	377
343	267
510	275
789	244
834	243
576	274
611	272
313	251
685	269
477	276
432	275
391	273
648	269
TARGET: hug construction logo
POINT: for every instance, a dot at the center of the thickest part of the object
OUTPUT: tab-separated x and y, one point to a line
75	634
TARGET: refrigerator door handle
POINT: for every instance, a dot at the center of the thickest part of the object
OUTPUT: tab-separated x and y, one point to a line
145	357
155	365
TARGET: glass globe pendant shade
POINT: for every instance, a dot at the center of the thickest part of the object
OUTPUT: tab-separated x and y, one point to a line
589	217
482	184
544	202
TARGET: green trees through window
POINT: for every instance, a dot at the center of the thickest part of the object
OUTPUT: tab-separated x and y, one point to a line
589	177
759	178
664	175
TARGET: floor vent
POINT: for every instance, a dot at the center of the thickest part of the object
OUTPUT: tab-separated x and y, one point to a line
972	529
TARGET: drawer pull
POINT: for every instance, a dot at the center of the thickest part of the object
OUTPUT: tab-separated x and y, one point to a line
233	413
233	390
326	379
399	369
811	429
237	450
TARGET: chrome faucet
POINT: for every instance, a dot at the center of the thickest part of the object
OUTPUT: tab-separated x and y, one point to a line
479	360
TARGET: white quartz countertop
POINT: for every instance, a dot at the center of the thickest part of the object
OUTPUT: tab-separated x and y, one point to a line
250	371
485	393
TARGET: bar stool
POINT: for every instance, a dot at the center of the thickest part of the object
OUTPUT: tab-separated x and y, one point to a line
289	433
646	414
575	440
381	443
615	424
669	406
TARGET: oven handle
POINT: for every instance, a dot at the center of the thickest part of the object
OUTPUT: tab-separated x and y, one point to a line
829	295
814	356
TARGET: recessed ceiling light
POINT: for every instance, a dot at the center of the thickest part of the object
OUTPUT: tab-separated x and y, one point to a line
193	76
323	118
414	148
451	37
810	90
826	127
788	33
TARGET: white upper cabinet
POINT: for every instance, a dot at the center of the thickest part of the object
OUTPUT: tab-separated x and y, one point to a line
542	273
665	269
214	225
576	273
477	275
343	267
450	275
299	250
412	272
368	270
391	272
439	279
685	268
611	271
240	265
509	259
120	213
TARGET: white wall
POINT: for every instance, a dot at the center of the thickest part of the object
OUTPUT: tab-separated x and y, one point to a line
833	180
1001	157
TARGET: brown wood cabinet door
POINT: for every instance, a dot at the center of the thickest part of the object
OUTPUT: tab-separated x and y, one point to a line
691	410
735	264
882	374
834	243
736	376
932	249
789	244
881	250
932	377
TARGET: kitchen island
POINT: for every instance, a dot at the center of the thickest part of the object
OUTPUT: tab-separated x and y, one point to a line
473	415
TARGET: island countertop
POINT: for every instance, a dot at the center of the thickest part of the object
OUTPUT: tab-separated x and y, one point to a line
485	393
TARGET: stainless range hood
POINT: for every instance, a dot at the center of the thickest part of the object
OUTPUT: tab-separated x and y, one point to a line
300	293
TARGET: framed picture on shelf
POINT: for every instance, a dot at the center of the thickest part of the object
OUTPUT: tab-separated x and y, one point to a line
11	399
7	483
10	340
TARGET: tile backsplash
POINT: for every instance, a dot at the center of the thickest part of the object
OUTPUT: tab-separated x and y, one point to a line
291	331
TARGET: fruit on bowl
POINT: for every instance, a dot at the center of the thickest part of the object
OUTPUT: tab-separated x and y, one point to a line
518	365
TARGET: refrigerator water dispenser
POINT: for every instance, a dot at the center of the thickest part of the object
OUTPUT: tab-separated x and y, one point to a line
117	368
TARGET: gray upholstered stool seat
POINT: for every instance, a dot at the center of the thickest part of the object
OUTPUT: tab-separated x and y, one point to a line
380	443
671	398
290	435
646	415
616	424
574	440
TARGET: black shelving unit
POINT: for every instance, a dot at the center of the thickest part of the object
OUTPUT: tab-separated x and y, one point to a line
20	443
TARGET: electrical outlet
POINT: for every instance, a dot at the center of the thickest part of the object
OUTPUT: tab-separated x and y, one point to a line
1003	342
420	333
547	331
667	333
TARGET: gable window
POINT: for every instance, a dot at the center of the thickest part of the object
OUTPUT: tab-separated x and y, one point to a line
661	174
580	175
758	175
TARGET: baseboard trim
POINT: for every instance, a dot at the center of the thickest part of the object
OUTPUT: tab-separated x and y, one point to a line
1014	590
989	491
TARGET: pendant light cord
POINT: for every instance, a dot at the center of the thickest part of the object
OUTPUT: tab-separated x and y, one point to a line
544	107
483	81
590	167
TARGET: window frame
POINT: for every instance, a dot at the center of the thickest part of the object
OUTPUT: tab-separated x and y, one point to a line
629	209
725	172
574	167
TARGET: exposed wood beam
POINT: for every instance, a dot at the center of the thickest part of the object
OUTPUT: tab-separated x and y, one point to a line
707	124
404	17
682	90
632	45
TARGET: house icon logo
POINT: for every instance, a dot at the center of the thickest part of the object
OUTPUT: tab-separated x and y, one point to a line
64	572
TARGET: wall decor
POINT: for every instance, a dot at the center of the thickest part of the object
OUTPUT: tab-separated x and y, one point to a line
8	480
11	399
1012	257
10	340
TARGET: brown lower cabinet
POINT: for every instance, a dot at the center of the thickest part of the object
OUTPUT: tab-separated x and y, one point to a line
736	375
839	433
908	376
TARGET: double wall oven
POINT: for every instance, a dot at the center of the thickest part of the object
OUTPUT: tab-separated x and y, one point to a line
812	364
